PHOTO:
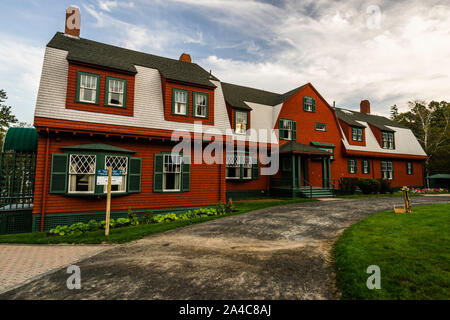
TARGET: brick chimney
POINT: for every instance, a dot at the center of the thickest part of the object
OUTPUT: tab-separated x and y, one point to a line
185	57
73	21
365	106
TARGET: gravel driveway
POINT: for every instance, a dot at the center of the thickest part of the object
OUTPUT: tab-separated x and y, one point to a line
275	253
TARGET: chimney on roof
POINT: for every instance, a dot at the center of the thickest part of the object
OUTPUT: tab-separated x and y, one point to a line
73	21
365	106
185	57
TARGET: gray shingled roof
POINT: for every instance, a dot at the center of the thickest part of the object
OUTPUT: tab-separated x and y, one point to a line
236	95
295	147
100	54
377	121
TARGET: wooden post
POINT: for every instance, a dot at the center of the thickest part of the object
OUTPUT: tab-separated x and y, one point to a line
108	201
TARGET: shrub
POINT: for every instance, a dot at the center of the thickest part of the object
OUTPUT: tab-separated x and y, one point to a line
369	186
148	217
348	185
220	208
385	186
132	216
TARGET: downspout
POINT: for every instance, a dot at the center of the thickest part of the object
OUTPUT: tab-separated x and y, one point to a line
44	189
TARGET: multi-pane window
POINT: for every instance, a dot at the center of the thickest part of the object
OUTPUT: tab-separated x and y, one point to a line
246	167
352	166
357	134
200	105
365	167
287	127
387	139
82	173
118	163
239	166
115	92
409	167
180	102
321	126
172	172
88	87
387	170
241	121
309	104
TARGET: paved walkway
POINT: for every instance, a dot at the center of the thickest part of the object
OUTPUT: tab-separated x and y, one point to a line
21	263
274	253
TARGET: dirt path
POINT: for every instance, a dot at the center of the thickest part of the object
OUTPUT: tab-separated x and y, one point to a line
274	253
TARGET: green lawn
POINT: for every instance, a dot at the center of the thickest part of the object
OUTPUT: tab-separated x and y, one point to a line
395	194
126	234
412	251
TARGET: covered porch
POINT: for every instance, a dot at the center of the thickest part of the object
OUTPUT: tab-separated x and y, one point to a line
296	177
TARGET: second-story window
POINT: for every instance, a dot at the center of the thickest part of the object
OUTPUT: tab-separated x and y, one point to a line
115	92
241	121
88	87
180	103
288	129
321	126
309	104
200	105
357	134
387	139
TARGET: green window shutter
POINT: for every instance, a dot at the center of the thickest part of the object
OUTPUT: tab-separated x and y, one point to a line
255	169
356	165
313	104
294	130
349	165
158	173
134	175
186	174
280	128
58	179
368	165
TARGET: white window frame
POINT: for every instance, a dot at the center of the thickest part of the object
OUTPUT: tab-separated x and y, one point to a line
387	139
243	130
288	127
409	168
353	167
91	173
123	186
180	103
359	134
387	170
88	85
321	126
173	167
120	90
196	104
365	166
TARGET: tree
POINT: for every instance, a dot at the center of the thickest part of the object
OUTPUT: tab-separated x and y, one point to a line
430	123
6	117
394	112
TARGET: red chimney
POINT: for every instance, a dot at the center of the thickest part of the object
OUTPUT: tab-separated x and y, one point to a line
365	106
73	21
185	57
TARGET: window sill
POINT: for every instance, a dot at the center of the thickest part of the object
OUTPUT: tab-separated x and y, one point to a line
96	195
85	102
114	106
179	114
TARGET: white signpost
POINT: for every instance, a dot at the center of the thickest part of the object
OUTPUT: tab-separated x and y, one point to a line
108	177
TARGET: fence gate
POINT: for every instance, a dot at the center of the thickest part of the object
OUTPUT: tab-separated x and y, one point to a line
17	176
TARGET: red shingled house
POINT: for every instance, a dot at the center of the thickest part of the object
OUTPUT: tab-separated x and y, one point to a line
99	105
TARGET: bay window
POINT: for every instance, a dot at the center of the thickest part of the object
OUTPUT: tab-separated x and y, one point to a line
82	173
118	163
241	166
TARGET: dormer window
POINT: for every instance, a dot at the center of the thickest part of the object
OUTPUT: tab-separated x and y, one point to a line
240	121
387	140
357	134
180	103
87	87
115	92
200	105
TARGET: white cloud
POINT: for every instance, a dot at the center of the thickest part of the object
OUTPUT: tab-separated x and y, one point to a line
110	5
20	70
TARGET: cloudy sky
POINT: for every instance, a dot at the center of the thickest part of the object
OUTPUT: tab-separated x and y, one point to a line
389	52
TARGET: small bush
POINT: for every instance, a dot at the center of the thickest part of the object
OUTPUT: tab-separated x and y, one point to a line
369	186
348	185
132	216
148	217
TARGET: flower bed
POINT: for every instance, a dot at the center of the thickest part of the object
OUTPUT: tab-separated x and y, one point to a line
428	190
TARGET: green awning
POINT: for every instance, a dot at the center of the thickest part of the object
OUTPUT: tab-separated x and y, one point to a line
439	176
21	140
97	147
299	148
323	144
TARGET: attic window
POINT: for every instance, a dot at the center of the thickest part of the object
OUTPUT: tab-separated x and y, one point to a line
387	140
309	104
116	91
357	134
200	105
240	121
87	87
180	103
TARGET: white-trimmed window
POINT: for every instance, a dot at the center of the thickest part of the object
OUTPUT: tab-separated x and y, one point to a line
172	172
88	87
82	173
180	104
365	166
287	127
309	104
387	139
241	121
352	166
357	134
118	163
246	167
200	105
409	167
321	126
115	92
387	170
237	163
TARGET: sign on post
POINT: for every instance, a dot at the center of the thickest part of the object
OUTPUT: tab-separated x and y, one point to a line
108	177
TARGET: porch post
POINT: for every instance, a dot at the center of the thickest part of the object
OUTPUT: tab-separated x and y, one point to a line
323	172
293	171
299	161
329	172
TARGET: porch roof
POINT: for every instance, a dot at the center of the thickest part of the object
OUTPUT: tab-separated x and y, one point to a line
299	148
